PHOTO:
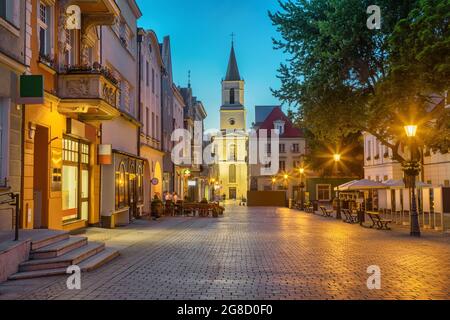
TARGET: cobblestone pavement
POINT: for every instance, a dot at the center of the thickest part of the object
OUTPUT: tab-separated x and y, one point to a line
264	253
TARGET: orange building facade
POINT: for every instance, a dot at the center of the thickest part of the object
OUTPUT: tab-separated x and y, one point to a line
61	171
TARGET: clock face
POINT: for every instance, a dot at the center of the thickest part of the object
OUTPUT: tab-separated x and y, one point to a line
232	121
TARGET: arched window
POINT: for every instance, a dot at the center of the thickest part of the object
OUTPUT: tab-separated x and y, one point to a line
232	96
232	173
121	186
232	155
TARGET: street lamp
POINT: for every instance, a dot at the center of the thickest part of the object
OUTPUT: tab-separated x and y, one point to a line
411	169
302	189
337	158
273	183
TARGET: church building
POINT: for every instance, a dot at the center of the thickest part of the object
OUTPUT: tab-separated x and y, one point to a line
231	171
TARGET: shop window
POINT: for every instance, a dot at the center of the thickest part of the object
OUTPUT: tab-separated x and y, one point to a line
121	186
323	192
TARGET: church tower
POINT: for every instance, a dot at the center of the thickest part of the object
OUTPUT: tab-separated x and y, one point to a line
232	111
232	169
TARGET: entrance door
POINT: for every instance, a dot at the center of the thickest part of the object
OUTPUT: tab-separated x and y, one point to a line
75	180
233	194
132	188
40	178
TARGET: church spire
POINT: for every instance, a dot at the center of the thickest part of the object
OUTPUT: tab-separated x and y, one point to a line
232	70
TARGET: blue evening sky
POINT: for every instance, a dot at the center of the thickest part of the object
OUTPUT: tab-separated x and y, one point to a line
200	38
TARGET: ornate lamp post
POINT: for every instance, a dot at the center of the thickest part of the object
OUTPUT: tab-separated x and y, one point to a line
302	189
337	159
411	169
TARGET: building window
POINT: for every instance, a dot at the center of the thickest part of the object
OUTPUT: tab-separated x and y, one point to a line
147	73
279	126
157	128
71	48
232	173
323	192
4	131
153	80
269	148
147	121
232	96
44	27
282	165
9	10
369	150
153	125
232	156
282	148
296	148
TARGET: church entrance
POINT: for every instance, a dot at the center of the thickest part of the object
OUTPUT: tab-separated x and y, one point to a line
232	194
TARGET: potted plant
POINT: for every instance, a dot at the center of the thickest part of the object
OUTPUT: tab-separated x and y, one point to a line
157	207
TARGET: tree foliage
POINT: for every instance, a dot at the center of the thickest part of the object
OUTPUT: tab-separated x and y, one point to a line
345	79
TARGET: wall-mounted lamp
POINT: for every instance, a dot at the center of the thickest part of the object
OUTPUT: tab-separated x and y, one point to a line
31	130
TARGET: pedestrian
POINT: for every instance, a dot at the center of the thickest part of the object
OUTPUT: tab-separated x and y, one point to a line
175	197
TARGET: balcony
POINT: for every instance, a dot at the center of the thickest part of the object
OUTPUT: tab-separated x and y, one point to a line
91	91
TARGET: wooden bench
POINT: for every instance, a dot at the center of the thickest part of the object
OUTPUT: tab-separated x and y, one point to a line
326	212
377	221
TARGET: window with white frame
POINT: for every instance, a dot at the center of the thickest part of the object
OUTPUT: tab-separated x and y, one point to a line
71	47
45	29
9	11
4	136
323	192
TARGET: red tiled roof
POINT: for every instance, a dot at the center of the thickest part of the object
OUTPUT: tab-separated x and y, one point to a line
289	130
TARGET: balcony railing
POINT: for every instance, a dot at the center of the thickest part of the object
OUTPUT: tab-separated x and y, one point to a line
89	82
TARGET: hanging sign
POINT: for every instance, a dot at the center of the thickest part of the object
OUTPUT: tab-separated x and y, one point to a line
105	154
31	89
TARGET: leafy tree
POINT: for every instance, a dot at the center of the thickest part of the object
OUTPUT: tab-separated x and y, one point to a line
344	78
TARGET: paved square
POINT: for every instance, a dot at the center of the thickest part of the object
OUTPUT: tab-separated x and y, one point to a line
255	253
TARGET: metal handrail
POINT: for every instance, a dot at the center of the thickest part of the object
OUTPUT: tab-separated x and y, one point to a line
14	200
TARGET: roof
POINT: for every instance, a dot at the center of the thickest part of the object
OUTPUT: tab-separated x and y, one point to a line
290	131
261	113
232	70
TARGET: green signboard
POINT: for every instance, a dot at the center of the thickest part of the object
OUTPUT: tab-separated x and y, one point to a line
31	89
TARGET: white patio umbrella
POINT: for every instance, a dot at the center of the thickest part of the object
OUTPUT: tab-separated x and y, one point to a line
365	184
343	187
399	184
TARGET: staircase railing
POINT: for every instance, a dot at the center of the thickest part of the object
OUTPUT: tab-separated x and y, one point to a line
13	200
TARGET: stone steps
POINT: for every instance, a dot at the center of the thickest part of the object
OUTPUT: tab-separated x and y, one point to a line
59	248
87	265
46	240
71	258
53	252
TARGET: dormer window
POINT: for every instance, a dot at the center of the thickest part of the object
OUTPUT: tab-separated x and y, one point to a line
279	126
